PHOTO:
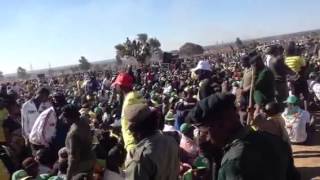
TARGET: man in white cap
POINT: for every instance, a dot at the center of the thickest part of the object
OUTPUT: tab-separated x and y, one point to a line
203	72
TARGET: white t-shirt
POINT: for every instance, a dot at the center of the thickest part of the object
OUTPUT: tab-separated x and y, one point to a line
112	175
296	125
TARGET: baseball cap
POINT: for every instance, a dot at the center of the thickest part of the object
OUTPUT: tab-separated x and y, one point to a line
292	100
185	128
201	163
124	80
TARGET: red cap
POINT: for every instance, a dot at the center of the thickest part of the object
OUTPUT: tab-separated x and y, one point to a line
124	80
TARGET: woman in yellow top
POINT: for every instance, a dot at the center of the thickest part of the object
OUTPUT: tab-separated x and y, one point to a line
124	86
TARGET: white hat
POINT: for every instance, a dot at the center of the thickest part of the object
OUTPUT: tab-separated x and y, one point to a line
202	65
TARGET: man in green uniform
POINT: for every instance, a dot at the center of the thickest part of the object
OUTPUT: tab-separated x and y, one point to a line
264	82
248	155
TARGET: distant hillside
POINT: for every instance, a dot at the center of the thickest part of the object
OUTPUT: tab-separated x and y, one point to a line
65	69
68	68
271	38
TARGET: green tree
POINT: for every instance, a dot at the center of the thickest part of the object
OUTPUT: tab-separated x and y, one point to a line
1	75
22	73
84	64
154	42
189	49
142	37
121	50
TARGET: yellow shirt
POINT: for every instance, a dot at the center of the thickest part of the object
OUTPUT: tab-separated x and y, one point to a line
131	98
295	63
3	116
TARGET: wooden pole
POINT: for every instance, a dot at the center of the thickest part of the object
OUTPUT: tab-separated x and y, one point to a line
250	108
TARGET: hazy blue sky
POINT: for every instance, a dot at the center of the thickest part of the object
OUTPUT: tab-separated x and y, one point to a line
58	32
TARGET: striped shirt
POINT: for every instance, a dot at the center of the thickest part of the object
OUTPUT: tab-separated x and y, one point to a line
295	63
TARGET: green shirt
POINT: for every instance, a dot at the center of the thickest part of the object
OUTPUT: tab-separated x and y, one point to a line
264	87
257	155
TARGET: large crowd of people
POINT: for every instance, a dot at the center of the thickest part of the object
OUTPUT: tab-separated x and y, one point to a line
231	116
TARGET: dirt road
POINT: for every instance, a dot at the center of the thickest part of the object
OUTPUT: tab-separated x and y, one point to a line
307	157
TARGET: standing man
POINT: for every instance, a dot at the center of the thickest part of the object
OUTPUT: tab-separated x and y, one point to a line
245	87
248	154
264	82
124	87
81	158
203	72
31	110
280	71
106	83
156	155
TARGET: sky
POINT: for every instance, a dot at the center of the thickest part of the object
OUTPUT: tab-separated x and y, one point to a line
39	33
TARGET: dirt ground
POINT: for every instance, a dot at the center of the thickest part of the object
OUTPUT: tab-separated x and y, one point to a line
307	157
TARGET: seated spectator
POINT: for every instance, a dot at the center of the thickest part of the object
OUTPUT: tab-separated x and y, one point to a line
30	171
297	120
60	167
43	158
272	122
187	144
